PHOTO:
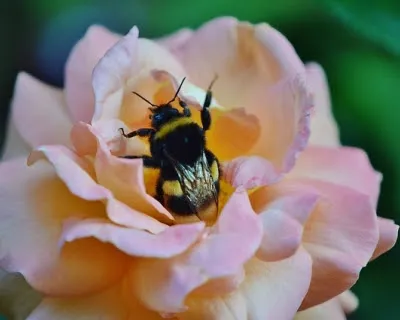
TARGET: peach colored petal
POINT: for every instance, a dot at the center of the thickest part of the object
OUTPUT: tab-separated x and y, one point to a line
242	55
34	102
123	177
340	235
244	128
17	298
330	310
271	290
14	145
388	233
168	243
283	209
124	68
173	41
34	204
112	304
324	130
163	285
78	72
345	166
349	301
78	174
190	93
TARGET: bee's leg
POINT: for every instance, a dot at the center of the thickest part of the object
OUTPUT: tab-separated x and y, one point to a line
186	110
144	132
147	160
205	112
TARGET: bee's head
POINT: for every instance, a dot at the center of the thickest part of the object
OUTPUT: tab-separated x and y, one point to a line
162	114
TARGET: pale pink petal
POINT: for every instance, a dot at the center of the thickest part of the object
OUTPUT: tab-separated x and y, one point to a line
163	285
125	68
14	145
340	235
17	298
34	204
349	301
345	166
283	208
112	304
249	172
173	41
39	113
271	290
259	70
168	243
324	130
78	72
388	233
78	175
123	177
330	310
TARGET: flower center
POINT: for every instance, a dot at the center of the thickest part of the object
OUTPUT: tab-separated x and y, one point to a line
197	190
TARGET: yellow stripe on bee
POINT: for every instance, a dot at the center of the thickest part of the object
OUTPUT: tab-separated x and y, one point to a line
172	125
214	171
172	188
150	179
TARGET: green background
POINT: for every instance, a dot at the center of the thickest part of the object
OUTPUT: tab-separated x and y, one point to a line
357	43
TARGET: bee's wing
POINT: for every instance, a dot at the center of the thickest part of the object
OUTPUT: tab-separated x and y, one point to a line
197	182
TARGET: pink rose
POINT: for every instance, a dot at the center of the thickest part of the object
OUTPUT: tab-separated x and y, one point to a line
294	229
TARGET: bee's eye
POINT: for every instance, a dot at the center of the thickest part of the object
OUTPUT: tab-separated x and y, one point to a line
185	140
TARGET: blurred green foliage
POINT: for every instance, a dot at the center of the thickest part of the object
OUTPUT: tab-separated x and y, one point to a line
357	42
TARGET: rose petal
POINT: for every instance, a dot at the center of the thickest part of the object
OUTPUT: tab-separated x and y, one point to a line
77	174
249	172
220	254
340	235
123	177
283	209
124	68
78	72
260	296
172	241
244	128
17	298
330	310
34	101
241	54
34	204
173	41
190	93
388	232
346	166
112	304
14	145
324	130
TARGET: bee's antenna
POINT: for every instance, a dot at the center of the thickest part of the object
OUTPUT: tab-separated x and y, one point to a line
212	82
143	98
177	91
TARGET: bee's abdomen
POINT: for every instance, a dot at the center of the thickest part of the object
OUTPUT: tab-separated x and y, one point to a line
175	200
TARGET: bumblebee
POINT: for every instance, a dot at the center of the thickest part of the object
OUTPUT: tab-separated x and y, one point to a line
188	182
